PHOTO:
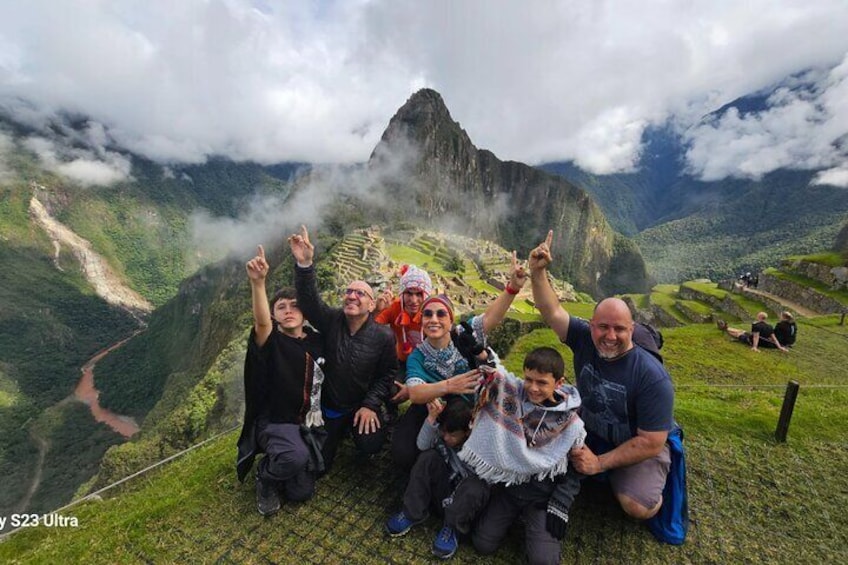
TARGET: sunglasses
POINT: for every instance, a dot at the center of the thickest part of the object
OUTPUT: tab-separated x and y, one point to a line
437	313
358	292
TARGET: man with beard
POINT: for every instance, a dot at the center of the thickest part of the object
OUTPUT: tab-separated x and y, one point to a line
628	398
360	357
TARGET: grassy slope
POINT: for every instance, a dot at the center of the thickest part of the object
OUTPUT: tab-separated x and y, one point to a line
751	500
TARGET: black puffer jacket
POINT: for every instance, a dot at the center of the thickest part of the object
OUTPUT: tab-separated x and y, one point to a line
359	368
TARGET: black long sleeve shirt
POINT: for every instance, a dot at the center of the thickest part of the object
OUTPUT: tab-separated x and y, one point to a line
360	368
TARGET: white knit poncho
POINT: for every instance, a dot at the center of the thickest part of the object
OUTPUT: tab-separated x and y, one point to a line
514	440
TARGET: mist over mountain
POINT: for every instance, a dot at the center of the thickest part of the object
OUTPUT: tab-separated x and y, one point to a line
688	225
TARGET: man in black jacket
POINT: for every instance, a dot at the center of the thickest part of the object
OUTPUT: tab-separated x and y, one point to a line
360	356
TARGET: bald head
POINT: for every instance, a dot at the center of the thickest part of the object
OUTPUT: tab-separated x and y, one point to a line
358	302
613	305
612	328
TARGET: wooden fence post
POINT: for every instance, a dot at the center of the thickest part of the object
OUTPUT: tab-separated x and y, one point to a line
786	411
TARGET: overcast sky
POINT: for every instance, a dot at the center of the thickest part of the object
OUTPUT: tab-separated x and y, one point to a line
318	81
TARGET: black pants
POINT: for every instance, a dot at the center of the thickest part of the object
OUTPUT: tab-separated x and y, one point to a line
339	428
503	509
430	487
286	457
404	436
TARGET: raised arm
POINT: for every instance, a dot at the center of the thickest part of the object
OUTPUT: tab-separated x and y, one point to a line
543	294
308	298
497	310
257	270
302	248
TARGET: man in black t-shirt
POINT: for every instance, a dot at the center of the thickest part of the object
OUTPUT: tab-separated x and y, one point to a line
761	334
627	395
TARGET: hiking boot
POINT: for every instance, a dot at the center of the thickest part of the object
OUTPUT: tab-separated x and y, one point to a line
267	497
445	544
400	523
722	325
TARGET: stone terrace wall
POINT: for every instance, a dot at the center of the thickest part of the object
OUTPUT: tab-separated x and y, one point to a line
801	295
725	304
834	277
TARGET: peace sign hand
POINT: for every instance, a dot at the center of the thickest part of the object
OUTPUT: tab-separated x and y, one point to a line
518	276
257	268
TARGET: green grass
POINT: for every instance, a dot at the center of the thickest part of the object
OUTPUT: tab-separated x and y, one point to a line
697	306
710	289
752	500
666	300
748	304
832	259
640	300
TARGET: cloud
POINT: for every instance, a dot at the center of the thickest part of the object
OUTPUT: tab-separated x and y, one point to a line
805	127
85	166
318	82
837	176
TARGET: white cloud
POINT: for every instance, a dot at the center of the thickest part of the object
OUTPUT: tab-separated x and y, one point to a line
837	176
802	128
85	166
318	82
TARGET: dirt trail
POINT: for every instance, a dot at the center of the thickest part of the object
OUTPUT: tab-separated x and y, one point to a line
43	446
803	310
85	392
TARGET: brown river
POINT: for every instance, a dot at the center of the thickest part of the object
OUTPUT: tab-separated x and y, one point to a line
85	392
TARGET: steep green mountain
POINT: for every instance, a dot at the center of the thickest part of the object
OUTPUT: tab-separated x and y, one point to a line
434	174
840	245
180	377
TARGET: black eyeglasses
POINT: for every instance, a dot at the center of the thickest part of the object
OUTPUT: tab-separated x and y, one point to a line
437	313
357	291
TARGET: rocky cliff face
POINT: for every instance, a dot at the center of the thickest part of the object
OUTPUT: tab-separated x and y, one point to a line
434	173
840	245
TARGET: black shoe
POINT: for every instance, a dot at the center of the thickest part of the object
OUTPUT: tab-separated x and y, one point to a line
267	497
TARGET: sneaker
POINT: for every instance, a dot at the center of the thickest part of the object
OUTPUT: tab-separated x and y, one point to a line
399	524
445	544
722	325
267	497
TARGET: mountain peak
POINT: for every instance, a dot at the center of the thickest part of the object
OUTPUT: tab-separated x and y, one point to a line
423	120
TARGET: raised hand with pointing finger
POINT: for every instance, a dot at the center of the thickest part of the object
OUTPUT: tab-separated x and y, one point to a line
301	247
540	257
257	268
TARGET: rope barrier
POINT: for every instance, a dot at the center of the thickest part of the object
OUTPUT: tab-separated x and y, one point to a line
97	493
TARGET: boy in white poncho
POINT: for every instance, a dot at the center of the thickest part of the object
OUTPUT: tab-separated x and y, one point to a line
520	442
